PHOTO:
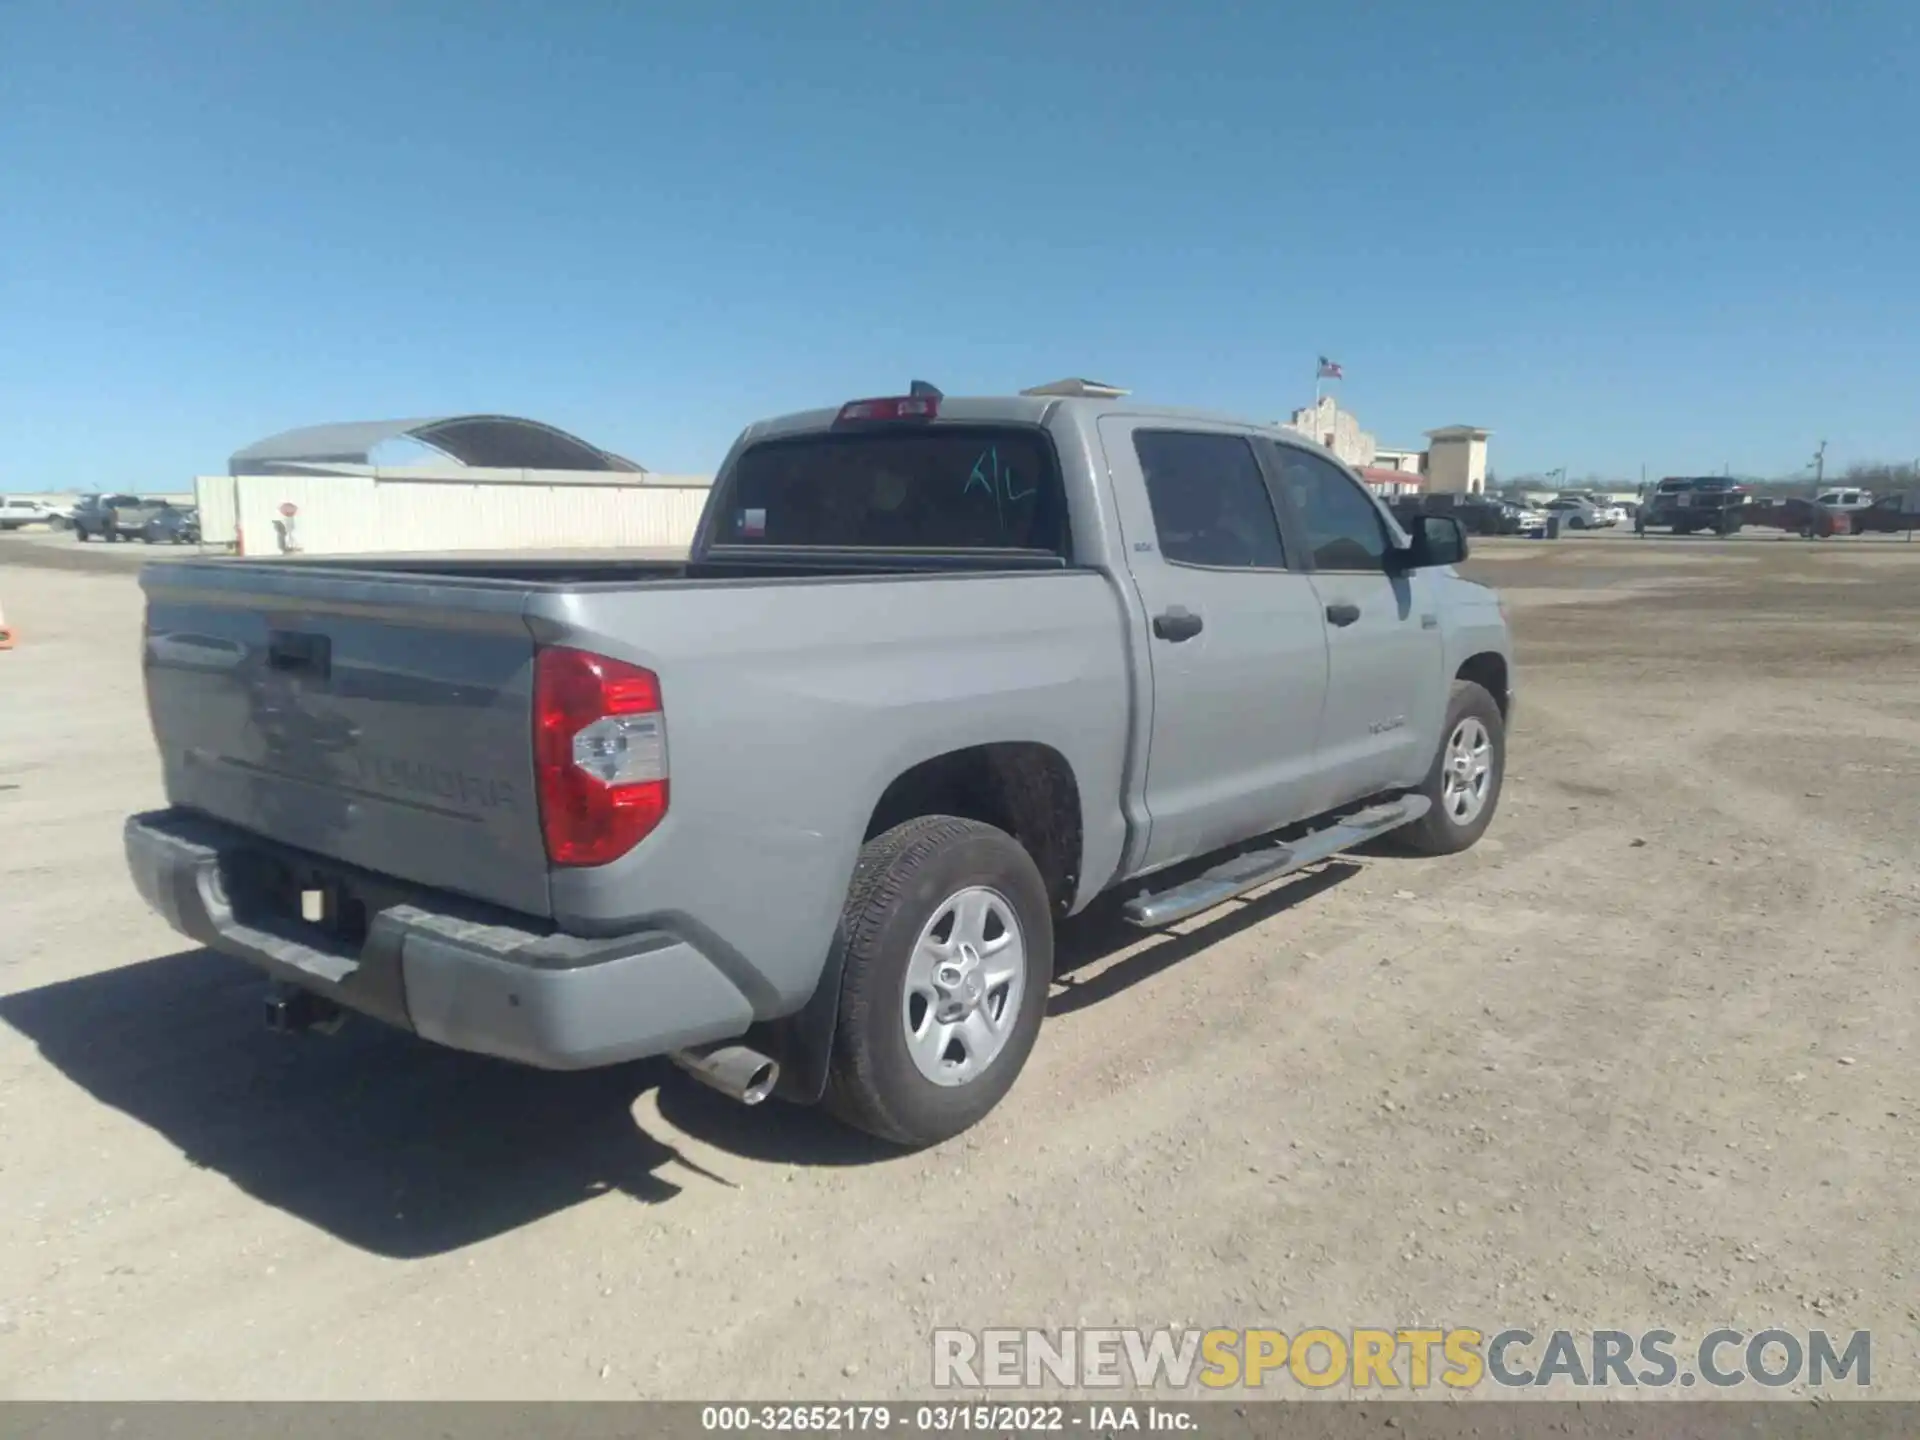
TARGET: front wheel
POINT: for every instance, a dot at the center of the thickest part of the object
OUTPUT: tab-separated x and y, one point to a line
1464	781
946	953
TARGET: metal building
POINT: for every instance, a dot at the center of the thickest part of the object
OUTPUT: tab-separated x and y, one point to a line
505	483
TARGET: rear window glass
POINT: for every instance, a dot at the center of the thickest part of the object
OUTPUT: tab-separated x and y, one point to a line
940	488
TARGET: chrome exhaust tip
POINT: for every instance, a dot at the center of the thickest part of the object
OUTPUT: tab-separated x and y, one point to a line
736	1071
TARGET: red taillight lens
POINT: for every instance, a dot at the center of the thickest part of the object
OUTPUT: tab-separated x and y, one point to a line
599	755
897	407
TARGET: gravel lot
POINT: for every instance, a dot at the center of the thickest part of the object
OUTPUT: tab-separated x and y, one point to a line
1638	1060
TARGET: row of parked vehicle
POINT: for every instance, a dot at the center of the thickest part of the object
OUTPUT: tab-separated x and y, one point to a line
1493	515
1715	504
128	517
108	517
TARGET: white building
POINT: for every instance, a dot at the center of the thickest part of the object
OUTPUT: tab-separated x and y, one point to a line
499	483
1410	461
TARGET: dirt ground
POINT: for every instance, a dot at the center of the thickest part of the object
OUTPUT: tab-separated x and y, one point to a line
1641	1059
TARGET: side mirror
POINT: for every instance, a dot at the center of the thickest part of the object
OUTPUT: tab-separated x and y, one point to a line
1437	540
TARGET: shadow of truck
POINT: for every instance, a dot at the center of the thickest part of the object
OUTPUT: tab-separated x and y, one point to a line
406	1149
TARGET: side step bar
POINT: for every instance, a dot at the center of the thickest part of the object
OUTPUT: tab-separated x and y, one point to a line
1234	877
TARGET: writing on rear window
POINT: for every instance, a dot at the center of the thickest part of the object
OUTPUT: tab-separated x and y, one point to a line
946	488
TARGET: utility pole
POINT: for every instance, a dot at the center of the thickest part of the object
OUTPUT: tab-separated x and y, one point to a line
1819	467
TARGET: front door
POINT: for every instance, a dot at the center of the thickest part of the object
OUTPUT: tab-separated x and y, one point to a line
1235	641
1386	686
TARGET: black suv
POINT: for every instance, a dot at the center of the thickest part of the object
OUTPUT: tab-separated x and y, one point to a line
1686	503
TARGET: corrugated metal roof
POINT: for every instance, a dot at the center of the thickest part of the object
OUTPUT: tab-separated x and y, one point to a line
497	441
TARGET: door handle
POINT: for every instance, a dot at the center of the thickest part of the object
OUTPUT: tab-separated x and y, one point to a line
291	651
1177	624
1342	612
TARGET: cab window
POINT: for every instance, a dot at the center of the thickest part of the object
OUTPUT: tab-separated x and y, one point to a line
1343	525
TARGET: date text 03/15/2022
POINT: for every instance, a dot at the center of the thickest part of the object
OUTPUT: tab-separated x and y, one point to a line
1098	1418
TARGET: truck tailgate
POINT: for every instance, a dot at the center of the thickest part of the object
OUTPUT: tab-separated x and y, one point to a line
384	721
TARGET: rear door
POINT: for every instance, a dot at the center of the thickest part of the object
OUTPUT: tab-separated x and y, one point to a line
1386	683
382	721
1236	646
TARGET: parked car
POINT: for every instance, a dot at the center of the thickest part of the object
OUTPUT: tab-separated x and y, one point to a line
1477	514
15	512
1890	514
1574	513
1844	499
174	525
1686	503
925	686
113	517
1524	520
1797	516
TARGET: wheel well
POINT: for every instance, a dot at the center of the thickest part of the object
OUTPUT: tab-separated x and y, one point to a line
1024	788
1488	670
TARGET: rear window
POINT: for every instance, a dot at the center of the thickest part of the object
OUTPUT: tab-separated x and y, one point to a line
948	487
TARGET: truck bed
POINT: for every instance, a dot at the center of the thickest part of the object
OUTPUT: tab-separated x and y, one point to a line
378	712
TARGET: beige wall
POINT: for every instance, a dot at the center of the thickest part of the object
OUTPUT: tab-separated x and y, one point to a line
1456	465
1327	424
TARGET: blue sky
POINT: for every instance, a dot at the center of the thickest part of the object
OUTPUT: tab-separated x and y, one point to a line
1683	234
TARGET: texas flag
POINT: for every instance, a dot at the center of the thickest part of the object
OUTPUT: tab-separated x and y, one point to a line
1329	370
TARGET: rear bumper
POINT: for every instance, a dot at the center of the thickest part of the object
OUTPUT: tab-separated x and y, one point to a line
443	968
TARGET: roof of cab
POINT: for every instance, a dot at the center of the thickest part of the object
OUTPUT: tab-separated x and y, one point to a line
1034	409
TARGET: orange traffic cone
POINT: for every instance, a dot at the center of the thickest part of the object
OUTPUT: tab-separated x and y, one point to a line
6	633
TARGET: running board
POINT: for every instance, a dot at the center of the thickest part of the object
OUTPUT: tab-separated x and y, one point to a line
1232	878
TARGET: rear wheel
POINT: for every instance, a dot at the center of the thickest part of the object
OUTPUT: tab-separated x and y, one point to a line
948	950
1464	781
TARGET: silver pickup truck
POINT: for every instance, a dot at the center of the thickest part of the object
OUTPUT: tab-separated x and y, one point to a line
803	811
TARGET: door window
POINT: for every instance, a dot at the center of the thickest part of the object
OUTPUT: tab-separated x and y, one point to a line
1209	499
1342	524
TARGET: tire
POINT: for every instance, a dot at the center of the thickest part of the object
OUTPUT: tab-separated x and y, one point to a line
80	534
907	881
1440	831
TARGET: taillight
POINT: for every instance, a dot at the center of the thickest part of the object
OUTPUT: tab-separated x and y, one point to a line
893	407
599	755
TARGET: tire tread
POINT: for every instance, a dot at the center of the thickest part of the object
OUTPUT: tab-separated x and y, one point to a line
885	872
